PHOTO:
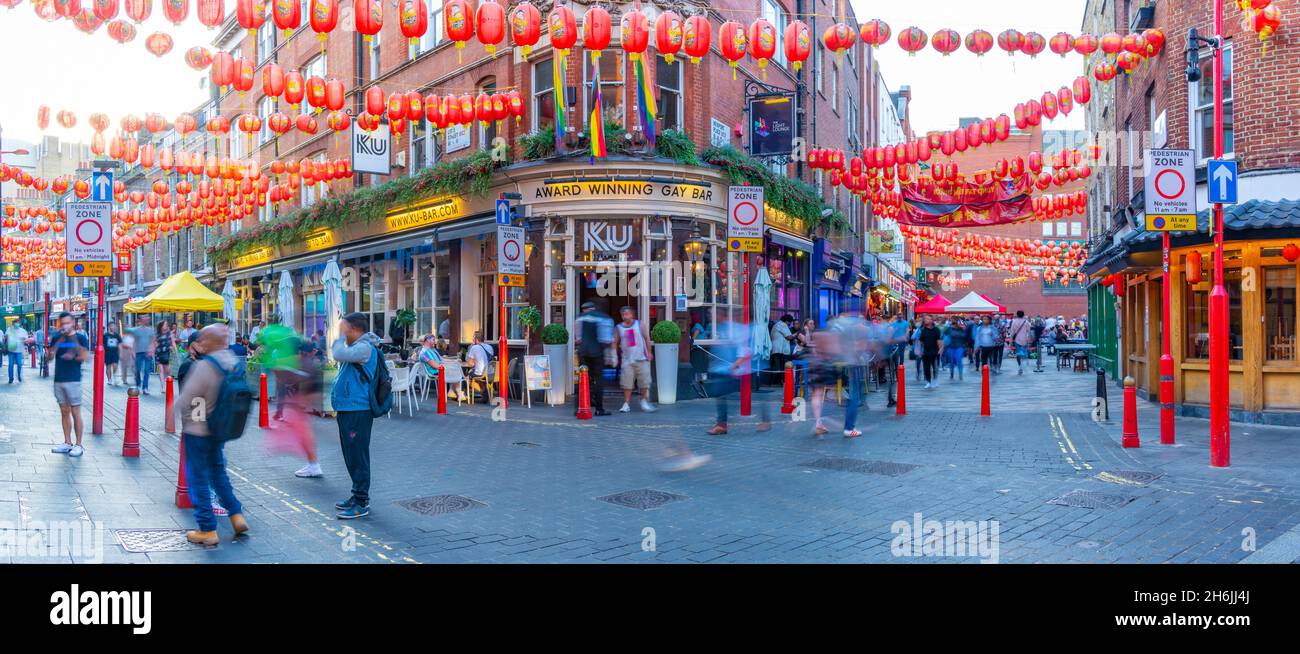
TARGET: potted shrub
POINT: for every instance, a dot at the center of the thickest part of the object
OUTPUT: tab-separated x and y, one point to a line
555	343
530	318
666	336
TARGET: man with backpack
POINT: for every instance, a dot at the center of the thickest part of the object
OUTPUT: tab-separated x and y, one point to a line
359	396
594	337
214	404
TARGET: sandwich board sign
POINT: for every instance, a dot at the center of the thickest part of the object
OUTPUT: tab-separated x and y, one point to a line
1170	190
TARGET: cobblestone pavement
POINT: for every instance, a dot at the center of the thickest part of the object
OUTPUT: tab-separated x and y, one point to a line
541	486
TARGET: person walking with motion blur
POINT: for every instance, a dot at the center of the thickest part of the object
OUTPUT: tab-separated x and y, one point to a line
1022	333
729	361
595	333
930	340
955	341
166	342
68	350
15	341
143	336
212	382
823	373
112	343
632	336
986	342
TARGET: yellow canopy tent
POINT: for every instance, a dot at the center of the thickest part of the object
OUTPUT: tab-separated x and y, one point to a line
180	293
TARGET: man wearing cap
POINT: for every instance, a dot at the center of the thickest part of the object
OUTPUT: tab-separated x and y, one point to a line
595	333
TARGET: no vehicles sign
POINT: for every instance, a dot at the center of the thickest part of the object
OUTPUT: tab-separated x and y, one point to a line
1170	190
90	239
745	218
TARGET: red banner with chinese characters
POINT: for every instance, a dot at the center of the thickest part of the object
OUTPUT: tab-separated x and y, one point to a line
997	203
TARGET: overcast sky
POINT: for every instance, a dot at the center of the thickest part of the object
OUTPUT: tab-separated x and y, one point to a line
961	84
53	63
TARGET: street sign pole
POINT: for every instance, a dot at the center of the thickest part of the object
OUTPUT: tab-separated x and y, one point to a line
1219	429
746	381
97	421
1166	359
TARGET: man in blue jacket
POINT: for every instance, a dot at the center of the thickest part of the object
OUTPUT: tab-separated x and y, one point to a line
355	352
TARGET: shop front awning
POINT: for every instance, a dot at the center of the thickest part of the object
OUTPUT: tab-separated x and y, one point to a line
180	292
790	240
936	304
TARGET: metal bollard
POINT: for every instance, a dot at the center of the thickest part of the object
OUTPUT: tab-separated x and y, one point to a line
131	433
1101	393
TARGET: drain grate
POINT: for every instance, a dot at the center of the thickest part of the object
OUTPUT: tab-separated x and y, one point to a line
526	444
139	541
844	464
1130	477
643	499
1091	500
440	504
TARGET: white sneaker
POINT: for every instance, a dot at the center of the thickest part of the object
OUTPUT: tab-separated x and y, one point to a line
310	470
76	450
219	510
61	448
686	462
927	384
625	409
648	407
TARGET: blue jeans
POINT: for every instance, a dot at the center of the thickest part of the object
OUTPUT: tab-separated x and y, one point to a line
205	470
143	366
856	381
15	361
957	355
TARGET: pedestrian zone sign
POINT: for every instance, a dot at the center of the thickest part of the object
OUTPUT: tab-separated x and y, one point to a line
1170	191
745	219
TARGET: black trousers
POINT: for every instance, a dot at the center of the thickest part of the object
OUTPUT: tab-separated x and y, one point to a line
354	437
988	356
930	362
595	382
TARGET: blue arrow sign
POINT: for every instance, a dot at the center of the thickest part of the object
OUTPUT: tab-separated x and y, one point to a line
503	212
101	186
1222	181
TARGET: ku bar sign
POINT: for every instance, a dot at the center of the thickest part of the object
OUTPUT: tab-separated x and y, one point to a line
370	151
90	239
745	218
1170	190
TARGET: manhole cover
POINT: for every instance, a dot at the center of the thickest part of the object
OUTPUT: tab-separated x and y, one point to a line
1090	500
844	464
439	504
1130	477
154	540
642	498
525	444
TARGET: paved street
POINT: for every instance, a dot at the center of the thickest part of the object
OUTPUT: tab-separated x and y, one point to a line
537	488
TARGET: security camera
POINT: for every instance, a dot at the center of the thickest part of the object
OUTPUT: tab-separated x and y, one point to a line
826	213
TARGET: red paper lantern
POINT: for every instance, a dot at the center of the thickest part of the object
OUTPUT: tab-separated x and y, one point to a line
250	14
635	29
526	27
1002	127
414	106
1155	40
563	29
697	34
105	10
1033	44
139	10
375	101
1128	61
306	124
596	27
295	87
1062	43
1082	89
121	31
1011	41
158	44
515	104
1105	71
1112	43
413	19
198	57
279	123
272	80
912	40
222	70
733	43
324	17
1291	252
874	32
334	95
491	25
244	75
1135	43
369	17
1085	44
1049	105
1064	101
396	106
946	41
287	15
979	42
762	42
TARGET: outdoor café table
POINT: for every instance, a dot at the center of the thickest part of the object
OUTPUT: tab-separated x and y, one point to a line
1064	351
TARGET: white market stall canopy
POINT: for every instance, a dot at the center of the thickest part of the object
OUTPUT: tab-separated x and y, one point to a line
972	303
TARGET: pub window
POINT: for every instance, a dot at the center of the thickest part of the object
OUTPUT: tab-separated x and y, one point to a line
266	38
1197	302
669	79
1204	105
437	31
487	132
543	96
1280	313
611	86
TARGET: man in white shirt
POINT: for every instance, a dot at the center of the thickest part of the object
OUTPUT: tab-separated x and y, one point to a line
480	354
15	341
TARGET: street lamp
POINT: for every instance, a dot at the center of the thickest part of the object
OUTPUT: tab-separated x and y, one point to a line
695	243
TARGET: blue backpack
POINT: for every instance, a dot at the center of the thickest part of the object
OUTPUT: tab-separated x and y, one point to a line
227	419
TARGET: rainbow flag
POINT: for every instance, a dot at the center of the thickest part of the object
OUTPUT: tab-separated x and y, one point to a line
558	77
645	100
597	121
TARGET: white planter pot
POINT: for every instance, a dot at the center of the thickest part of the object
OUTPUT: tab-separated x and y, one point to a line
560	383
666	372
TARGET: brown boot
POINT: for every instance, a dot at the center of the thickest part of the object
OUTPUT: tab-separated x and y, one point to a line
763	426
718	430
238	522
208	538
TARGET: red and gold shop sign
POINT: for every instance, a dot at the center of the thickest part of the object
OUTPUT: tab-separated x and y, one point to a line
320	239
260	255
425	215
124	261
784	221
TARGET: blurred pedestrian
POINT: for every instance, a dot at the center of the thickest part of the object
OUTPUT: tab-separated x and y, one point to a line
1021	334
730	360
112	353
143	335
163	349
632	337
126	357
594	335
930	340
205	458
357	353
15	342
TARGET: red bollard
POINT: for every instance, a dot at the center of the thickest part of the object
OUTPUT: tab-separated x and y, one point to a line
33	357
1166	400
584	395
1130	414
169	411
985	409
263	414
787	402
182	487
131	434
442	390
902	392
